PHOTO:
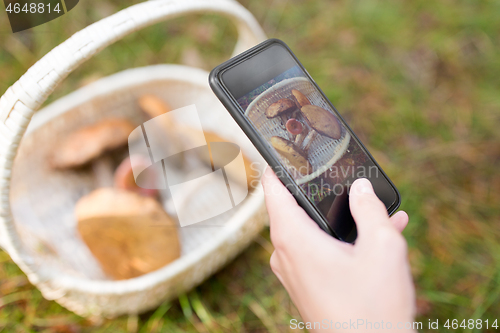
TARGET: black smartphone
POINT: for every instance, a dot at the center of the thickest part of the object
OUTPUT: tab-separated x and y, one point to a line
300	134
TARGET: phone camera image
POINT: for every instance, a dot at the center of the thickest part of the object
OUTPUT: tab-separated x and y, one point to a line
305	134
310	141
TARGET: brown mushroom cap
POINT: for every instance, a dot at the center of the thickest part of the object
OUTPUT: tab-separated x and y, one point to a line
280	107
302	100
323	121
128	234
84	145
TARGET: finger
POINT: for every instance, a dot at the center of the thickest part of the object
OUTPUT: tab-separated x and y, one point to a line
274	189
290	225
368	211
400	220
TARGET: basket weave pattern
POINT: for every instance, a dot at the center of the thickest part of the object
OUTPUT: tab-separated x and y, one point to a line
98	297
324	151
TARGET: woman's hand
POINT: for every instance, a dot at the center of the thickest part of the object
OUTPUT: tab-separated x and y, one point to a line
334	282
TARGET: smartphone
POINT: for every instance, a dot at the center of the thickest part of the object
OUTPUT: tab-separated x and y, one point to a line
300	134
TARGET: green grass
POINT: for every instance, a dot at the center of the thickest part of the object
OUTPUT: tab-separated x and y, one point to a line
419	82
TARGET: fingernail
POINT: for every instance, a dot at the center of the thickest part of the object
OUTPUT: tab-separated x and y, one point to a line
364	185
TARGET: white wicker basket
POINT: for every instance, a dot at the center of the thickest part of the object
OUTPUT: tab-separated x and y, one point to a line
60	277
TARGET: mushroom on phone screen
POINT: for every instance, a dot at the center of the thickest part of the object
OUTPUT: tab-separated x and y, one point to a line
294	126
321	121
281	108
296	156
301	100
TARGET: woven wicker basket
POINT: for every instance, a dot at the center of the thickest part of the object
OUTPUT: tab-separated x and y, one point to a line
35	228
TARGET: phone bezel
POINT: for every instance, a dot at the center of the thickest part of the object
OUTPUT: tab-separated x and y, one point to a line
229	101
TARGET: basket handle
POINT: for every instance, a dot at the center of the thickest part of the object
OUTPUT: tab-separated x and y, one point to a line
24	97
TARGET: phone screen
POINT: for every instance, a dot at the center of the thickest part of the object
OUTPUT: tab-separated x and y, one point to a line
307	135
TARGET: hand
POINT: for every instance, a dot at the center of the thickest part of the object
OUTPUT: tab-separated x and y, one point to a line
335	282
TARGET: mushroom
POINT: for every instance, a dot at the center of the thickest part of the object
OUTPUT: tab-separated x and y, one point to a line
252	174
301	136
321	121
296	156
281	108
153	106
125	180
181	134
88	143
294	126
128	234
301	100
311	135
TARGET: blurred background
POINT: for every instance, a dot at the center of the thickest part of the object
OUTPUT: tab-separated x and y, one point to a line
418	81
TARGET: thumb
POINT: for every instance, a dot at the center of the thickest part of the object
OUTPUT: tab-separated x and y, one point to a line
368	211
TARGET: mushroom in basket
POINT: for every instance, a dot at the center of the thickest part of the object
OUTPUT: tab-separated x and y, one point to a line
89	143
127	233
124	176
294	126
125	228
300	98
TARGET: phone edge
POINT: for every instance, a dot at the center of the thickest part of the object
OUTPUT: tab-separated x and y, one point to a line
263	148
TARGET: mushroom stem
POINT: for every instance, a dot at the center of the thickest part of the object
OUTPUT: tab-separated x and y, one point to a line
295	114
309	139
300	138
103	171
